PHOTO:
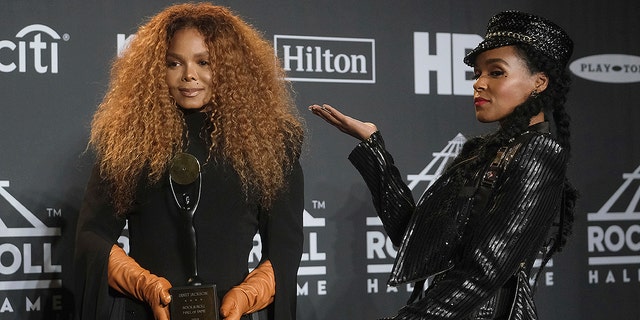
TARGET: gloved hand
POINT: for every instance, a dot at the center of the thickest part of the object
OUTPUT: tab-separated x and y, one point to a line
254	293
128	277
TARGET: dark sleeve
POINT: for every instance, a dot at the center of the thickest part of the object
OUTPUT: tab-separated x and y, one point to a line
97	231
512	229
284	244
392	198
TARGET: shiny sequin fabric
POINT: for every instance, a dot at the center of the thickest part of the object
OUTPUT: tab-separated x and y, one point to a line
480	263
514	27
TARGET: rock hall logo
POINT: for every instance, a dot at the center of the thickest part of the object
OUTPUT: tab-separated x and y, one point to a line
327	59
35	47
26	256
610	68
614	235
313	270
380	251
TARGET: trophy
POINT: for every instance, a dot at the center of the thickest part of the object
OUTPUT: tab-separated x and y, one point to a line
195	300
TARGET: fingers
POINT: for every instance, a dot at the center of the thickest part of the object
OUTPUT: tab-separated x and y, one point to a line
324	113
353	127
230	312
165	296
232	305
161	313
331	115
161	306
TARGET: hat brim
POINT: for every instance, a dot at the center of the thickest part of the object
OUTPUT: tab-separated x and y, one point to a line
488	44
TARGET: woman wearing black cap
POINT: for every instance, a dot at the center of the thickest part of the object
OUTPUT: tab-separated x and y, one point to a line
502	202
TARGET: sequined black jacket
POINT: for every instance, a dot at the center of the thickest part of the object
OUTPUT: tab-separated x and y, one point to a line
480	251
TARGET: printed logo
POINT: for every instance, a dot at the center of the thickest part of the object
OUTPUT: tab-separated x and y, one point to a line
452	75
122	42
614	235
327	59
26	256
38	53
380	250
610	68
313	270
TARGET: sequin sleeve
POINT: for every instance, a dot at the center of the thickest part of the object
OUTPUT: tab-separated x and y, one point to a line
392	198
497	240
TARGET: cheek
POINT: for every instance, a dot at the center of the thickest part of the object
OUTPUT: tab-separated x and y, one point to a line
173	77
168	80
514	94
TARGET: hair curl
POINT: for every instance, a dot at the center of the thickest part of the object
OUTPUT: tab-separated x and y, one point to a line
137	129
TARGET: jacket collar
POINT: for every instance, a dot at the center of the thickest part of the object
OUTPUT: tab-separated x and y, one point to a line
541	127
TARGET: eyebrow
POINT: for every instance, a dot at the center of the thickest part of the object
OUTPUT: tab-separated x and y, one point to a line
495	60
203	54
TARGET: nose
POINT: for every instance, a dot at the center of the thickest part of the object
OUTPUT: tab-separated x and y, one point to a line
189	74
480	84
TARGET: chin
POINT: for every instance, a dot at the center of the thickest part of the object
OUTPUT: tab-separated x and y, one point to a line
191	106
483	119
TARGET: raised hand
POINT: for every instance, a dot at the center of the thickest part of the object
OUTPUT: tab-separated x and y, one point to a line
353	127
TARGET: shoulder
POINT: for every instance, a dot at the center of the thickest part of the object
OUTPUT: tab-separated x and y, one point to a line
537	142
536	151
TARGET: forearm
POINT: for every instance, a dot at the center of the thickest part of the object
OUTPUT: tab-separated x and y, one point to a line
391	197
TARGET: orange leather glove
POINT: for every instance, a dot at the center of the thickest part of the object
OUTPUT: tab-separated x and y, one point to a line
129	278
254	293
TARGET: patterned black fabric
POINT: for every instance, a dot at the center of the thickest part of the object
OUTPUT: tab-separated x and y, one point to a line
513	27
488	253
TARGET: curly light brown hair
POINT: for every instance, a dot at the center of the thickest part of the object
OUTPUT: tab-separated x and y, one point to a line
137	129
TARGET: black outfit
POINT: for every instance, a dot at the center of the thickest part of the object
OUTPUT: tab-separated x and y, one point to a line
225	223
479	246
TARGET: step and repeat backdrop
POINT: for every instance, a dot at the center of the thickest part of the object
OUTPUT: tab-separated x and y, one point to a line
395	63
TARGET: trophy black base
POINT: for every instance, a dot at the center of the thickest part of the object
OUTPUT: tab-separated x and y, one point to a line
194	303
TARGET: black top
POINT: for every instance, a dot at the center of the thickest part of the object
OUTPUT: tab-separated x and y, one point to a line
477	257
225	223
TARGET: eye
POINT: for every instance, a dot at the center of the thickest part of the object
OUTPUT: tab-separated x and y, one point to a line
172	63
496	73
203	62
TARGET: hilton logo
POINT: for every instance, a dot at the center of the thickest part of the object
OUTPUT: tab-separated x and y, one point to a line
326	59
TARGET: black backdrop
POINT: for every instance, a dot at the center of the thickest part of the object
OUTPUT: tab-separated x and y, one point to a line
407	77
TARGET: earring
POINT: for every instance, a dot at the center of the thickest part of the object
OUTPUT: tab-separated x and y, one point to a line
534	94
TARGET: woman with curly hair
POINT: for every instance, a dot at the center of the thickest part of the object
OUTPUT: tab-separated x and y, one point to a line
197	144
503	202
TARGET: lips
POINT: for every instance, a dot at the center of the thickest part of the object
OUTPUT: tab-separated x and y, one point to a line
478	102
190	92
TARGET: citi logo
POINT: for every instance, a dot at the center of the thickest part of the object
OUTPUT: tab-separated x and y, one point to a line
327	59
610	68
39	51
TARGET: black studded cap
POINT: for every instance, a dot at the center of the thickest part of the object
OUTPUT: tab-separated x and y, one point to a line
514	27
